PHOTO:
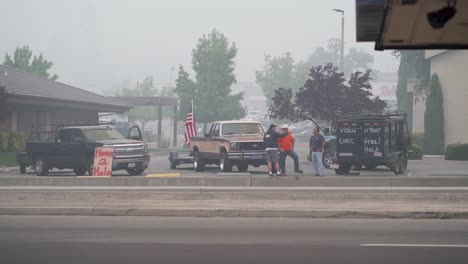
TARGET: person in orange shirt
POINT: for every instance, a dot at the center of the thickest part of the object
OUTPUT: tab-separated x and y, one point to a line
286	145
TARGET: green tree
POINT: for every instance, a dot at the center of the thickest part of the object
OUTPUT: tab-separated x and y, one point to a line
413	67
213	64
284	72
3	98
326	96
22	61
434	119
142	114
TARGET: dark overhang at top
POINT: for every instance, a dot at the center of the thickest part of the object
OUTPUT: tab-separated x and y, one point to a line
413	24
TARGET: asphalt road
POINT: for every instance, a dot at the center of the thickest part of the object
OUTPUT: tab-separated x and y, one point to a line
46	239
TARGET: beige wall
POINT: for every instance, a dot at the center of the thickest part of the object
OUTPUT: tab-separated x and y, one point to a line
452	69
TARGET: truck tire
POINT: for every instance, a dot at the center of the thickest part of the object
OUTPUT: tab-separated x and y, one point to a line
343	169
198	162
135	171
22	168
403	164
224	163
173	164
80	171
90	166
327	159
242	166
397	167
40	166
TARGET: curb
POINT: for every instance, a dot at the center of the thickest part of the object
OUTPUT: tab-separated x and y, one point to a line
247	213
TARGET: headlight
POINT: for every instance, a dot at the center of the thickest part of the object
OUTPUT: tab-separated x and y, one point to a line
234	144
145	148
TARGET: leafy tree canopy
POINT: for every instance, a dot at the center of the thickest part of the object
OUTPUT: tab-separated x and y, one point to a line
22	61
285	72
213	64
142	114
434	119
325	96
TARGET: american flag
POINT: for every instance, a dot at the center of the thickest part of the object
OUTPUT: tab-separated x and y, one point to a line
190	126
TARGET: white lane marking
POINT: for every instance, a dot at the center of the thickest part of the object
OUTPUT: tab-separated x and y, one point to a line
414	245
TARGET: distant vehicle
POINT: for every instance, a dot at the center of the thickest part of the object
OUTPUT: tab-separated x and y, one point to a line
73	148
372	140
228	144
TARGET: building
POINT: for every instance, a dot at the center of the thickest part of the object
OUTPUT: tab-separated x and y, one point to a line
36	102
452	67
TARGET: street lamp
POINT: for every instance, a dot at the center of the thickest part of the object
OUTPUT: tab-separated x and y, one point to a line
342	37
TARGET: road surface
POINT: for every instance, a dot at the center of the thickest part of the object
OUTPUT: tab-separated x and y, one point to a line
50	239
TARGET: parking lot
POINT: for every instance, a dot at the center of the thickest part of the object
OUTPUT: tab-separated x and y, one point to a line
159	167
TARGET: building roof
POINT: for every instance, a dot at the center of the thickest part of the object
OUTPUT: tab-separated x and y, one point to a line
24	84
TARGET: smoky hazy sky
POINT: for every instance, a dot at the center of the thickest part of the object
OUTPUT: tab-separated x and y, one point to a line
96	45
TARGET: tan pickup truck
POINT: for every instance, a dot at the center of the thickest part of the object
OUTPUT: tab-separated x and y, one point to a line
229	144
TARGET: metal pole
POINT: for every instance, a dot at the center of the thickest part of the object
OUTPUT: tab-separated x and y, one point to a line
342	42
159	125
174	139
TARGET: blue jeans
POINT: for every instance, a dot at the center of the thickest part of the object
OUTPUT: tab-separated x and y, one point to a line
317	161
282	160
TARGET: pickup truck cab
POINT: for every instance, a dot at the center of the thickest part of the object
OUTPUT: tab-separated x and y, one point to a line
74	146
228	144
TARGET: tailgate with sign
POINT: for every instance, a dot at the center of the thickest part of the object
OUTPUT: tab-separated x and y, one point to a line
373	139
348	139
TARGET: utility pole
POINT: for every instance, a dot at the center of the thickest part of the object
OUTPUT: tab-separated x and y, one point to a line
342	39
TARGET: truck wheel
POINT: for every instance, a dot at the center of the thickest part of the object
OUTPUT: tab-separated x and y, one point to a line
224	163
397	167
22	169
173	165
242	166
40	166
327	159
90	166
403	164
134	171
343	169
80	171
198	162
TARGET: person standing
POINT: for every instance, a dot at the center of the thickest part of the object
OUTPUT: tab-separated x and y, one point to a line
316	146
286	145
270	139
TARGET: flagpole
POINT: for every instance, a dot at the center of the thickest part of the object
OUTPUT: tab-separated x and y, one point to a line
193	118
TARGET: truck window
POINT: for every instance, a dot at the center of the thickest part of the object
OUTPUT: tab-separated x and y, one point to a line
103	134
76	135
65	135
216	130
242	129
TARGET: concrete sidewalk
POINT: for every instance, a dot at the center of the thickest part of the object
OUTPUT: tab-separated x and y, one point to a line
235	202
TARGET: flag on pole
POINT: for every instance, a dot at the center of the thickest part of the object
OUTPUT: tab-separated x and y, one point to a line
190	126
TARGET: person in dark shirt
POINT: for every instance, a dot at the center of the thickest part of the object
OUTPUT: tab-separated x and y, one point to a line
316	146
270	139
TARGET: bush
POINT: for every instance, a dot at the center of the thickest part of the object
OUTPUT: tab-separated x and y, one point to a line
418	139
13	142
3	142
457	151
416	153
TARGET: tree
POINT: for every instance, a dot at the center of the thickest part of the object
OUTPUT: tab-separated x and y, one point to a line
278	72
213	64
3	98
413	66
143	114
284	72
22	61
434	119
326	96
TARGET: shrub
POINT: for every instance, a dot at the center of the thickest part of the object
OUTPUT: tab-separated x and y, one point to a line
21	140
416	153
418	139
13	141
3	142
456	151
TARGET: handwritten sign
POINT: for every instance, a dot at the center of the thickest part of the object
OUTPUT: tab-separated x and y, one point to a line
373	141
103	161
348	140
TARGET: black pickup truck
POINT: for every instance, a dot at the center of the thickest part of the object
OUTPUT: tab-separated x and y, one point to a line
73	148
371	140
